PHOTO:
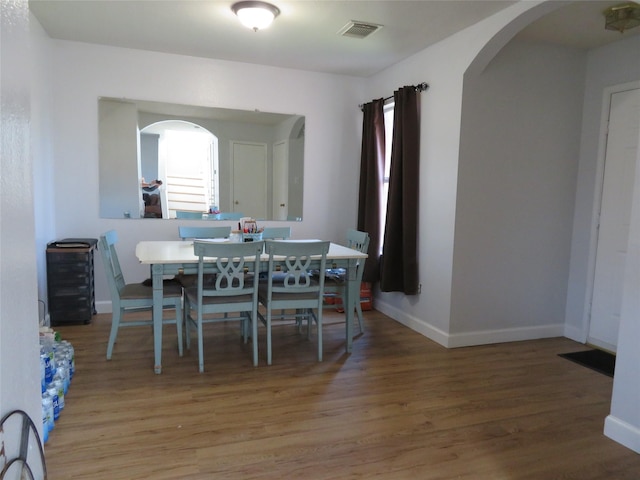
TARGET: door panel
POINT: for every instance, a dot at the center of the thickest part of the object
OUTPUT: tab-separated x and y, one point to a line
280	180
249	179
615	214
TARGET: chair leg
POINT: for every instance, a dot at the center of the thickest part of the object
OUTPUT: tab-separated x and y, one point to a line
359	314
245	326
299	318
310	318
117	314
179	319
319	323
268	335
254	337
200	344
187	324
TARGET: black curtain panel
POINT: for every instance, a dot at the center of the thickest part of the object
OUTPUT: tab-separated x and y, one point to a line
371	177
399	262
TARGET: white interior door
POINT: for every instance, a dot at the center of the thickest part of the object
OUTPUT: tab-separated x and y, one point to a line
615	215
280	180
249	179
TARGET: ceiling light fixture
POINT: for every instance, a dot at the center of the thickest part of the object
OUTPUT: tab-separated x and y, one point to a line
622	17
255	15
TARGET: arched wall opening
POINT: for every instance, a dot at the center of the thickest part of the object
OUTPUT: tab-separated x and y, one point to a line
518	163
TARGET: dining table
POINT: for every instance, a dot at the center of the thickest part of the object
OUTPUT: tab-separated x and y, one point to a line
173	257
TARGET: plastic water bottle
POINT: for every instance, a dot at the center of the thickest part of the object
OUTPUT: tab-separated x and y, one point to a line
46	346
43	370
63	373
48	369
52	391
45	422
47	412
71	357
58	384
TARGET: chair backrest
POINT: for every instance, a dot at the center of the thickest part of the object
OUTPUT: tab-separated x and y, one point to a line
230	262
358	240
226	216
204	232
107	247
276	233
189	215
295	274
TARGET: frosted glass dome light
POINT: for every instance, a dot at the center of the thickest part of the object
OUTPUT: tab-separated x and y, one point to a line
255	15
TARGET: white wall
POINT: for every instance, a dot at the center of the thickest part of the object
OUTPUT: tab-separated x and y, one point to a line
19	348
84	72
443	67
516	187
608	66
440	108
41	149
623	423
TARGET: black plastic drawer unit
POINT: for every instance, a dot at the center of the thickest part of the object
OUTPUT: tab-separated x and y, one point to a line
70	280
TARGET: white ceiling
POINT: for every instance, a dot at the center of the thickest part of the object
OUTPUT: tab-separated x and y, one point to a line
305	35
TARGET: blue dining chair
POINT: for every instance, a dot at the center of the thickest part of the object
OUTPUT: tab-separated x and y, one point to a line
189	215
203	232
189	280
232	292
276	233
133	297
290	286
226	216
334	282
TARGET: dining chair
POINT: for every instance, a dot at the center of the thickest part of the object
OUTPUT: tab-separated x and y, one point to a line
232	292
203	232
290	286
133	297
188	215
334	282
226	216
188	280
276	233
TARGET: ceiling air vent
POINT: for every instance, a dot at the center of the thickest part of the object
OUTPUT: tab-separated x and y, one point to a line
358	29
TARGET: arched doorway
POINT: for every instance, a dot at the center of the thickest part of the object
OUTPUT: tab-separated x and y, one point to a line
184	156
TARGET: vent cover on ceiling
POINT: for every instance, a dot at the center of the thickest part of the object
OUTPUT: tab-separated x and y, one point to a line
358	29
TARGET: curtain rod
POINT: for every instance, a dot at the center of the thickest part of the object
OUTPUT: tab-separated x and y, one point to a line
421	87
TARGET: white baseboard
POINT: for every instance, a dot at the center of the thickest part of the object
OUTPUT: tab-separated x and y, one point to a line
469	339
104	306
576	334
412	322
516	334
622	432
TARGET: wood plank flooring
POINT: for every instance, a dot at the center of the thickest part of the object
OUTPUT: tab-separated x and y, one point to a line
399	407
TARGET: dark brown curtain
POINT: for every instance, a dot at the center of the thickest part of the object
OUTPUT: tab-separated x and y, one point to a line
399	263
371	176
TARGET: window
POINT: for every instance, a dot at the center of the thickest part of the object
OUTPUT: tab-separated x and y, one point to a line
388	133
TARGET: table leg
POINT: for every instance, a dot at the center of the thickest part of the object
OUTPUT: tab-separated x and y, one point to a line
351	294
157	275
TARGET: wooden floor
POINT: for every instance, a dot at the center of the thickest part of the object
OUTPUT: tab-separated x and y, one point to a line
399	407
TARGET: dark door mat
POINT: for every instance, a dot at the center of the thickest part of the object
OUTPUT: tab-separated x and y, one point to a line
597	360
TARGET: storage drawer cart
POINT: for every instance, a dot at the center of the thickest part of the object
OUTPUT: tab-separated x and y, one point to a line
70	280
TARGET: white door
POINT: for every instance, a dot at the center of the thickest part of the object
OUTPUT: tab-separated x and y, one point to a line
249	179
280	180
615	215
